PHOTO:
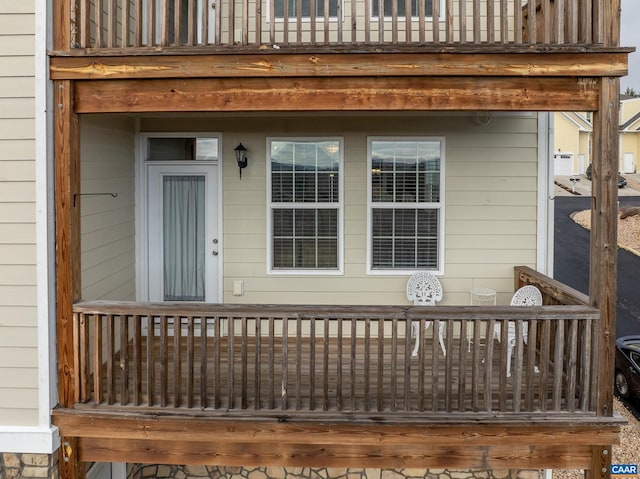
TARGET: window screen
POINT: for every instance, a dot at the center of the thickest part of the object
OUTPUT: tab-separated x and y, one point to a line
387	7
305	204
405	219
305	7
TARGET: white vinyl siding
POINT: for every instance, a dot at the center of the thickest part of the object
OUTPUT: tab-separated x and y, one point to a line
490	197
18	330
107	223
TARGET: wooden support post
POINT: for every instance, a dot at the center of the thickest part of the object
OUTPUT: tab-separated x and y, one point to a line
67	208
604	252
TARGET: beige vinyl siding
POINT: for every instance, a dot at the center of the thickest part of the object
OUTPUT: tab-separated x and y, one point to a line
18	313
107	223
490	204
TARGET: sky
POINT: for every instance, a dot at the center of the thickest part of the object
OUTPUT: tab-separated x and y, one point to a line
630	37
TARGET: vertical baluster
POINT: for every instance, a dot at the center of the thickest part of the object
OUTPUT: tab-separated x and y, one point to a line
112	24
354	21
547	21
99	15
585	29
231	349
572	21
81	358
150	360
272	22
245	22
561	18
151	22
124	359
532	344
137	359
258	7
488	365
448	360
313	8
298	363
97	358
85	24
205	9
517	22
110	366
422	14
177	22
558	365
164	361
190	358
449	22
339	403
477	29
257	363
177	361
516	374
504	21
435	373
598	21
532	23
137	12
352	360
125	15
243	363
421	365
380	394
572	366
491	15
381	24
407	20
504	364
192	22
165	22
325	367
284	371
475	361
312	364
394	364
218	23
271	359
462	370
204	333
299	20
407	366
367	362
462	14
217	371
585	366
435	20
326	20
285	22
545	347
394	20
340	21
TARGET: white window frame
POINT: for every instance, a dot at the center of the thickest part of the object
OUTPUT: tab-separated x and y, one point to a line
440	206
339	205
414	18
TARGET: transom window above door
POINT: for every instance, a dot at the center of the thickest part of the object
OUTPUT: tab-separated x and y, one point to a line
304	205
406	206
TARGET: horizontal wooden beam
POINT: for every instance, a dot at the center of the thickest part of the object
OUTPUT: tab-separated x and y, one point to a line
328	94
243	441
340	65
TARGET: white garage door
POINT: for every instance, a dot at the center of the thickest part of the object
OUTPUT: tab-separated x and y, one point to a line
563	164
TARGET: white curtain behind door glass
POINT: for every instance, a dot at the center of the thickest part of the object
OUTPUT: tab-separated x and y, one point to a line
184	237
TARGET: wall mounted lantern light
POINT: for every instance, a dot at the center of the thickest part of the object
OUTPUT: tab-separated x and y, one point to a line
241	157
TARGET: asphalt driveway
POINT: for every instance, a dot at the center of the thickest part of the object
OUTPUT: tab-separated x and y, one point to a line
571	261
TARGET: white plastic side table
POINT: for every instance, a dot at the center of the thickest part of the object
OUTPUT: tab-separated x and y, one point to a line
480	297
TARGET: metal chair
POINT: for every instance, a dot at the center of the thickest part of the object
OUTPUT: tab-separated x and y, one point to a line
526	296
424	289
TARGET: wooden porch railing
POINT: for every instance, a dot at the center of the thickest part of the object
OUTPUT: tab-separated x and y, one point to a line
332	359
154	25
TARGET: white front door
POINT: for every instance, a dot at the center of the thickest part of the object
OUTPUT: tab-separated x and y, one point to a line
182	232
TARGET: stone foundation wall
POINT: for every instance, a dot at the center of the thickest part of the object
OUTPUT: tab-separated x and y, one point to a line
147	471
18	466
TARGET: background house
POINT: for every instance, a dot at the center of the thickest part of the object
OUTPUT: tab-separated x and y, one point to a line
573	139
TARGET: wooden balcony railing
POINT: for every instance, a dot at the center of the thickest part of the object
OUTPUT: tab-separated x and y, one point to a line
156	25
332	359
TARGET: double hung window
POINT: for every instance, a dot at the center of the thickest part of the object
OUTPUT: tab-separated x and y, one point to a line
387	6
321	7
305	205
405	205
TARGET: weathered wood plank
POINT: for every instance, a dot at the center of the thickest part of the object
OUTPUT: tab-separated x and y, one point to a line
518	64
350	94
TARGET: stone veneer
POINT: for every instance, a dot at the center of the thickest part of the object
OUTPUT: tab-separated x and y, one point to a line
17	466
147	471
